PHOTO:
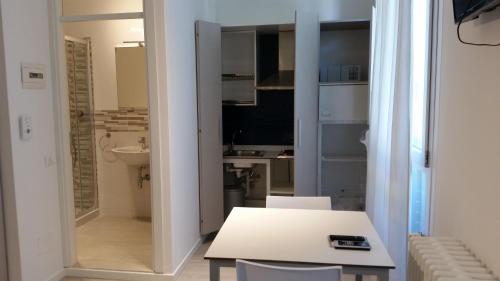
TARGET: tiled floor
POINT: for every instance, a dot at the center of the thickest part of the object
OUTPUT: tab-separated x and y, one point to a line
198	270
115	243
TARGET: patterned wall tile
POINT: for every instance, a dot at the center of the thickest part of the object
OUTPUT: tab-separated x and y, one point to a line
125	119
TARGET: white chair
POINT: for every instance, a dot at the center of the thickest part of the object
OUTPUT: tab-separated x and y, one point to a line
311	203
251	271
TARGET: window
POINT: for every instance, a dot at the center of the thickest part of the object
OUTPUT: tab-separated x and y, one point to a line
420	93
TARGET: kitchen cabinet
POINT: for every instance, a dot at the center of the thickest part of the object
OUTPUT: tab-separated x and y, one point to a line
238	67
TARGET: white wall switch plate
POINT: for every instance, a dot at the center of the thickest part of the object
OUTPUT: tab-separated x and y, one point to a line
25	127
33	76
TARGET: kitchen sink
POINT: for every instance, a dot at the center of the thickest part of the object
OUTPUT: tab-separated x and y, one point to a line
244	153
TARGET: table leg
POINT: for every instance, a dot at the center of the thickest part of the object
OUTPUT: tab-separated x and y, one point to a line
214	271
383	274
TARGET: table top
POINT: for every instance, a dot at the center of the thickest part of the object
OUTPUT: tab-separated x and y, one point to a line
301	236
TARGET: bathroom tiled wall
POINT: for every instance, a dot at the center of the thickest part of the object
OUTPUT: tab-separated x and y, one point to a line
125	119
82	135
119	193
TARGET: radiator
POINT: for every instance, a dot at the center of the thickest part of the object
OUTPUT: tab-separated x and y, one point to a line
444	259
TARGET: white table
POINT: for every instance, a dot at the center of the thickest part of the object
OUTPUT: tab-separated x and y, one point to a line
297	236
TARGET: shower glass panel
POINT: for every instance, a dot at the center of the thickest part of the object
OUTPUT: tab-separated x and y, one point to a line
78	64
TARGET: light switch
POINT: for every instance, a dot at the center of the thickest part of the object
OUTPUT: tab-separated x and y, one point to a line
25	127
33	76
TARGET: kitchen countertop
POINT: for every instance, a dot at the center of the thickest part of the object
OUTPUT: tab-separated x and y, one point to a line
267	155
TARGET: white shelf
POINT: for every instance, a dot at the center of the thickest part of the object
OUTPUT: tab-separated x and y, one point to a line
344	103
342	158
342	83
344	122
282	190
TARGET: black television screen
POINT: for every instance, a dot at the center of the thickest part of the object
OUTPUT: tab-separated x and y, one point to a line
465	10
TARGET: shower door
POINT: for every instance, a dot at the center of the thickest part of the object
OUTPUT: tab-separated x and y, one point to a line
82	137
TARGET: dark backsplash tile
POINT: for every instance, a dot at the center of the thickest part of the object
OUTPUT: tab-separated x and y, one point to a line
268	123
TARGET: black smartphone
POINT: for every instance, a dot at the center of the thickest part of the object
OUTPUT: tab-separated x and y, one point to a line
347	237
348	242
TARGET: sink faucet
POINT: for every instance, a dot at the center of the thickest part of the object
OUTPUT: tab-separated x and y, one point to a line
236	132
142	142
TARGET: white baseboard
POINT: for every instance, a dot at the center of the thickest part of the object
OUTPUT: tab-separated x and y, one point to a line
58	276
127	275
178	271
116	275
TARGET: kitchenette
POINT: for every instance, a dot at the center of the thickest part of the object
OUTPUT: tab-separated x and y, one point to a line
283	111
257	114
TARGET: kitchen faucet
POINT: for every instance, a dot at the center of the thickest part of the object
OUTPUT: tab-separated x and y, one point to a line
236	132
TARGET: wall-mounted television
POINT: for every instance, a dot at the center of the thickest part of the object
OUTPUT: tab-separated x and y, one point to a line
466	10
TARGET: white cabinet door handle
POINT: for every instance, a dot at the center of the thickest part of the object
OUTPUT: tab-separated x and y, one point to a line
299	133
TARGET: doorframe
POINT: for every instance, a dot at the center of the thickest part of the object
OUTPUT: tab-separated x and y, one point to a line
3	238
434	106
154	31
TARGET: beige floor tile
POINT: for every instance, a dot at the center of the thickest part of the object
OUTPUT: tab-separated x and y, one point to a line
198	269
115	243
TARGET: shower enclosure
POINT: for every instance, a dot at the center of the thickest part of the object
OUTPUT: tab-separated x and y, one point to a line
82	135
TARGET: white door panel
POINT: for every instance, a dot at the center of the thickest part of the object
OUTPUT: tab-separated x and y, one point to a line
307	31
209	88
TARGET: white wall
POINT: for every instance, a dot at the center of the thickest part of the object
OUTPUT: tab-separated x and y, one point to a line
180	17
86	7
467	178
31	191
256	12
119	193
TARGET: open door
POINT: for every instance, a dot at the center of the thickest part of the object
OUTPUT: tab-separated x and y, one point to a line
307	31
209	88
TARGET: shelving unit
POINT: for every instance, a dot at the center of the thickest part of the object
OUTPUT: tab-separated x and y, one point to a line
343	114
282	80
342	158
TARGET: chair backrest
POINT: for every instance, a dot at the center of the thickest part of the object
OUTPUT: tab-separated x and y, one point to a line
251	271
312	203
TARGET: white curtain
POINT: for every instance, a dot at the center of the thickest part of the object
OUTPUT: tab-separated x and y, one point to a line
389	135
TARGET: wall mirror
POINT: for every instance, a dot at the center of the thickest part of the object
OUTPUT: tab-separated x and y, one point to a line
131	75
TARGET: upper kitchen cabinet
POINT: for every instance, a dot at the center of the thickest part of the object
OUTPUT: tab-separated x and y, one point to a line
239	66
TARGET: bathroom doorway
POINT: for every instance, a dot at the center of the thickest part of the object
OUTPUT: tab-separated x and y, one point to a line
105	101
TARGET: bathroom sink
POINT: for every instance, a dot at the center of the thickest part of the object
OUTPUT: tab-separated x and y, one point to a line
133	155
244	153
